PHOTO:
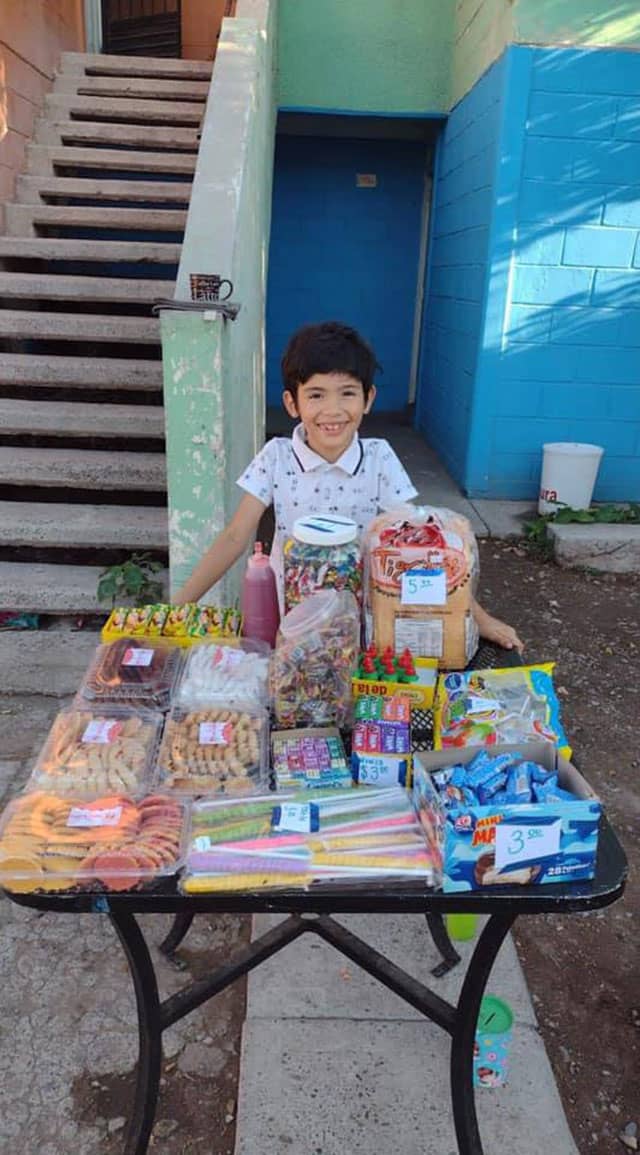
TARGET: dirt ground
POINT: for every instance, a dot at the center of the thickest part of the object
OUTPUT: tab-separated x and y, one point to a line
583	971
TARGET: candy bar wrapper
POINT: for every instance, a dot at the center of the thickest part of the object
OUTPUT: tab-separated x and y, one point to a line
179	619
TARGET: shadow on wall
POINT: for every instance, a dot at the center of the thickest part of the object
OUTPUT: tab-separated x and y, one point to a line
597	23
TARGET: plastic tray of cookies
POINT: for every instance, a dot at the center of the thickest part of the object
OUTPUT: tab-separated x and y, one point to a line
100	750
112	843
215	749
141	671
225	671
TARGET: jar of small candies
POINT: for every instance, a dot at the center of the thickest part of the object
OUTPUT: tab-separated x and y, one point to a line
322	553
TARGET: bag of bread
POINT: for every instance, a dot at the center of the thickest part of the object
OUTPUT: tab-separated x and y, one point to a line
421	576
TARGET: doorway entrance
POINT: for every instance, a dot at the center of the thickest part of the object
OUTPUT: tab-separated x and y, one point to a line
141	27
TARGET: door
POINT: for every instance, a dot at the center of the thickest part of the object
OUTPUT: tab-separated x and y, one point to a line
141	27
345	245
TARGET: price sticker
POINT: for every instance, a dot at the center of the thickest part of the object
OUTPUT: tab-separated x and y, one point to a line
298	818
80	817
423	587
375	772
215	733
202	842
136	657
526	842
102	731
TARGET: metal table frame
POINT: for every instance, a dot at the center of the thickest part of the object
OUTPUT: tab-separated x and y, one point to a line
311	913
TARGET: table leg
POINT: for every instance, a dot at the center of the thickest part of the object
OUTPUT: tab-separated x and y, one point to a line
441	940
464	1031
181	924
149	1032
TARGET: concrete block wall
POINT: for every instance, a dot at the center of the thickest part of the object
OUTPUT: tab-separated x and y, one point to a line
569	363
458	268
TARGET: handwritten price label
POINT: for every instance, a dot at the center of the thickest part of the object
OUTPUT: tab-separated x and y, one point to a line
299	818
424	587
526	842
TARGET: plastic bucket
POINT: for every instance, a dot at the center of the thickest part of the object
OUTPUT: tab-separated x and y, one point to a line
492	1043
569	472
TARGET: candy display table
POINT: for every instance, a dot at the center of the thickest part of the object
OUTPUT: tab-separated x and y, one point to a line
311	913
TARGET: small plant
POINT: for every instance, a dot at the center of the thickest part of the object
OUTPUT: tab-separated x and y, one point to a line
535	531
132	581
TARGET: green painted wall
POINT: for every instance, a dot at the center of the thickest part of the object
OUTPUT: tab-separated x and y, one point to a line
482	30
365	55
612	22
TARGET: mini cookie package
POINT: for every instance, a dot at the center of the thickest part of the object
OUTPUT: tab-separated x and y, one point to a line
225	672
216	749
98	750
139	671
112	843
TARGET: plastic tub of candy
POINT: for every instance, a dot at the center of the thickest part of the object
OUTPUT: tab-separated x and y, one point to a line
322	553
112	843
215	750
226	673
315	657
89	752
142	671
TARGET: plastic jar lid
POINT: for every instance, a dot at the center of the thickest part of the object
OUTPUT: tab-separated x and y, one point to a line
325	529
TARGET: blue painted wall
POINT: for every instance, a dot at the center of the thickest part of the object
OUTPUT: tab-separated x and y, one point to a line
558	345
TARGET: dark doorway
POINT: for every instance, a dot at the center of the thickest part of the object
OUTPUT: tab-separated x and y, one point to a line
141	27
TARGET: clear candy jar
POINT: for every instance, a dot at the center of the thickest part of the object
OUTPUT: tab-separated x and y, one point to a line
322	553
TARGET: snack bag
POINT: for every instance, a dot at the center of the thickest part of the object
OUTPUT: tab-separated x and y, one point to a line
315	658
421	576
489	707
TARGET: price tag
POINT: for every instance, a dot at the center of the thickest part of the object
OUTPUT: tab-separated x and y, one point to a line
202	842
102	730
299	818
526	842
225	658
375	772
136	657
423	587
215	733
80	817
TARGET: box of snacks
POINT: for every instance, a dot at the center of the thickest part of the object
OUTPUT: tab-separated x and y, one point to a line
512	815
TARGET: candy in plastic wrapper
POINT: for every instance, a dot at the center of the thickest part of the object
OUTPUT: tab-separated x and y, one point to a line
483	768
490	787
314	660
518	788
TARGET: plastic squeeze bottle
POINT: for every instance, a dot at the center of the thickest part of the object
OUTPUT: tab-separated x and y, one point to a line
259	599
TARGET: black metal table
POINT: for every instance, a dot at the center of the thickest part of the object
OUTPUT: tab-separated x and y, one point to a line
311	912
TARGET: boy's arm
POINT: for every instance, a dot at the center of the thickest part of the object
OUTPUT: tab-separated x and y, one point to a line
496	631
227	547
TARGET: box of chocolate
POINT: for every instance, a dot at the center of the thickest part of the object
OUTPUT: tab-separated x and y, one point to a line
515	815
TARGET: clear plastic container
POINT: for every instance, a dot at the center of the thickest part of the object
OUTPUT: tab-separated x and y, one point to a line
218	672
89	752
140	671
322	553
113	843
315	658
215	750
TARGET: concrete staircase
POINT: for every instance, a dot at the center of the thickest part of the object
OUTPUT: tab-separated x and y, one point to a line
92	239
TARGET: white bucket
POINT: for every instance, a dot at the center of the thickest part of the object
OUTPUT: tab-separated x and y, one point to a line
569	472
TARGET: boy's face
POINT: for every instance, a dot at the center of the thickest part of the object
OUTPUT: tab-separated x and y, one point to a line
331	407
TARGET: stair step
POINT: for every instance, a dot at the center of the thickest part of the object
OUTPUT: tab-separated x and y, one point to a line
134	87
80	419
82	469
53	589
34	189
76	249
115	109
64	130
20	323
25	369
95	64
60	287
45	159
55	525
21	219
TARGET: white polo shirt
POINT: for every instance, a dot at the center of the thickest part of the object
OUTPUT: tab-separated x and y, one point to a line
367	479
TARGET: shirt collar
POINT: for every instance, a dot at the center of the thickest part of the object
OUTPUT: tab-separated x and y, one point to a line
308	459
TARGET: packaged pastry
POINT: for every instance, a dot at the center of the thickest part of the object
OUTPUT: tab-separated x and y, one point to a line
138	621
48	843
227	673
89	752
422	572
322	553
216	749
132	670
214	622
177	621
315	657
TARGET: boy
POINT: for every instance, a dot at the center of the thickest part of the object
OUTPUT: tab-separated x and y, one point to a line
327	372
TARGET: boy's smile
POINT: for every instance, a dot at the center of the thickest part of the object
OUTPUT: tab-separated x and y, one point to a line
331	407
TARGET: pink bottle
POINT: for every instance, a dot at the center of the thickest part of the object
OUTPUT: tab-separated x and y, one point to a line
259	599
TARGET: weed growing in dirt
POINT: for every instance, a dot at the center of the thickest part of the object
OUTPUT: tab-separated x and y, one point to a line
132	581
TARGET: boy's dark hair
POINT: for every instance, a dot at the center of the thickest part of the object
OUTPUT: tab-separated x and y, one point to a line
330	347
